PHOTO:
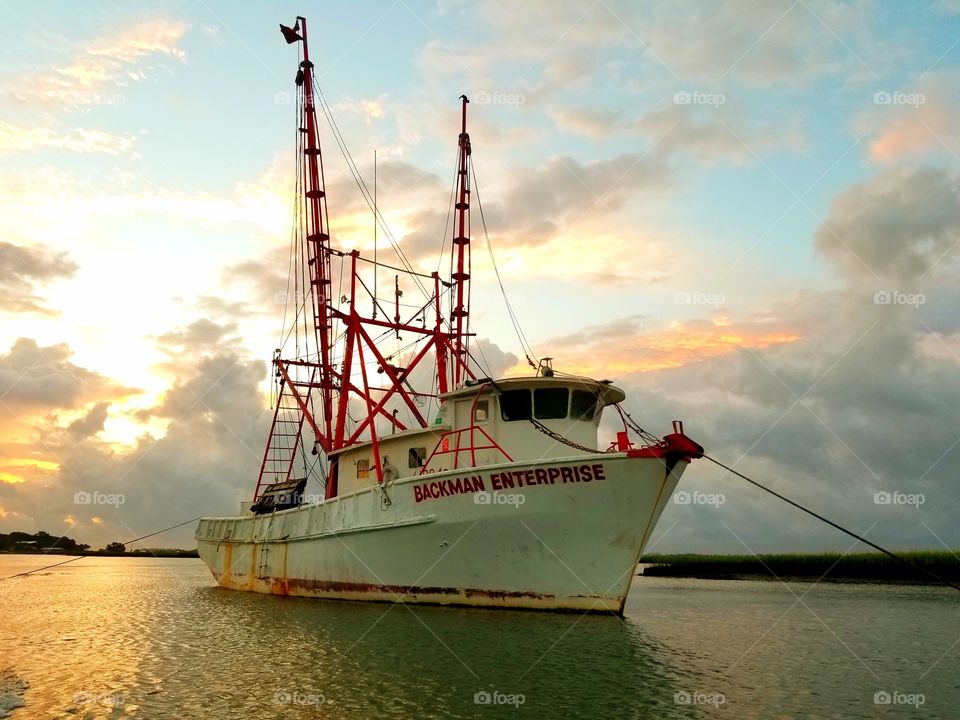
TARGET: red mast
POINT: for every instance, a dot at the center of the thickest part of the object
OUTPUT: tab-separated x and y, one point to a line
460	296
318	239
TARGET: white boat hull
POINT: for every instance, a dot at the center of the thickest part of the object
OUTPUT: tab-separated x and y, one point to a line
566	536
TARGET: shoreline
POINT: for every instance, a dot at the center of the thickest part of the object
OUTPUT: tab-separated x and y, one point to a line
165	553
809	567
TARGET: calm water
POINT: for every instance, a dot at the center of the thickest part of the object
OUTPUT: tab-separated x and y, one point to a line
148	638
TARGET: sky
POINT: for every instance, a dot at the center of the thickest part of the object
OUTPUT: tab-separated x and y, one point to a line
745	213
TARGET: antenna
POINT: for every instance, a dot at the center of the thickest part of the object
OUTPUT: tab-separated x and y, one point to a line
374	234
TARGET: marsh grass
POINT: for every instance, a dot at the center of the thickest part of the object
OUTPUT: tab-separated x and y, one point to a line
830	566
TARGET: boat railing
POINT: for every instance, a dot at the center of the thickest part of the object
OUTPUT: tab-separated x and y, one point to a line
444	446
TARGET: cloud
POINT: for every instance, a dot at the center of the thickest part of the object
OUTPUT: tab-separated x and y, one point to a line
760	43
35	378
862	401
711	133
220	307
97	74
634	345
14	138
28	209
22	268
897	225
91	423
852	407
207	461
592	122
531	210
756	44
268	277
714	134
183	346
198	335
916	123
493	361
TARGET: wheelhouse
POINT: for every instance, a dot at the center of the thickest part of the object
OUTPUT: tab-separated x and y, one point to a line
486	423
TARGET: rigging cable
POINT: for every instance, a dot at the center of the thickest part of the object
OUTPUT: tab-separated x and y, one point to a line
835	525
453	194
362	186
81	557
524	344
294	244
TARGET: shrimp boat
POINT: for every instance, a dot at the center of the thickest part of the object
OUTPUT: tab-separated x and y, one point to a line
469	491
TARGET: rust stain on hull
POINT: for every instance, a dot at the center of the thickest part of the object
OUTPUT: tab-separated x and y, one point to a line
429	595
280	585
227	561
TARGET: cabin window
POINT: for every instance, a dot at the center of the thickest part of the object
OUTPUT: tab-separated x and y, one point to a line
550	403
416	457
481	411
516	405
363	469
583	405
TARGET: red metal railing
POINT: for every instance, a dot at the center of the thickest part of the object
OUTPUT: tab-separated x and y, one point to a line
443	447
444	441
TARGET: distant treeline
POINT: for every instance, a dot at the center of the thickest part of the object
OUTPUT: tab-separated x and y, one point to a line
45	543
812	566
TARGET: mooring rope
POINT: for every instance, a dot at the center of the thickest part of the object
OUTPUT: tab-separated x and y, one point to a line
833	524
81	557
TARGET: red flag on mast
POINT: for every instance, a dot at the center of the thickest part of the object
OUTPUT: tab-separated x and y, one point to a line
290	35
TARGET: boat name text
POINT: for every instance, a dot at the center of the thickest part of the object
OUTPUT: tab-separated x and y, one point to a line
508	480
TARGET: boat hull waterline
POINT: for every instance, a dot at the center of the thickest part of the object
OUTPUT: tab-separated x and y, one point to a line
563	534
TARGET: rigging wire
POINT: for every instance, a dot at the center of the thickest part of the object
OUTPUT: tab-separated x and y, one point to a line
453	195
81	557
524	344
285	332
362	186
842	529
